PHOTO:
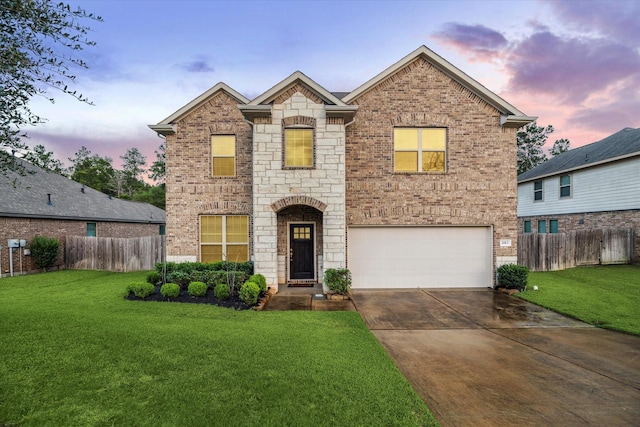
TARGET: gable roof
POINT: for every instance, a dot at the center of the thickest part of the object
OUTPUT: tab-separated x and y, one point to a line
297	77
511	116
621	145
166	126
27	197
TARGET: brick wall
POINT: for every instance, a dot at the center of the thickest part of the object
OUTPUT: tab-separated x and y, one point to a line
190	189
592	220
479	185
26	229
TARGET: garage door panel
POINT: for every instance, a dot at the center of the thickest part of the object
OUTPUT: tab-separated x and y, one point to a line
424	257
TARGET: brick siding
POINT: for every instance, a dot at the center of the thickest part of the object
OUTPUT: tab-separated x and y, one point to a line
479	185
27	228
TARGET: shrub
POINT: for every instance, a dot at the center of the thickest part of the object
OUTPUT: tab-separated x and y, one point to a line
170	290
154	278
249	293
260	280
513	276
190	267
140	289
221	291
180	278
44	251
197	289
338	280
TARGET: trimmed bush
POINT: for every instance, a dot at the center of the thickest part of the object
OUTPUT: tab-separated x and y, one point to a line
180	278
338	280
190	267
249	293
44	251
197	289
154	278
170	290
260	280
221	291
513	276
140	289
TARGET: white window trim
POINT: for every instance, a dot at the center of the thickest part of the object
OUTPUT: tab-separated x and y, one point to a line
541	190
560	196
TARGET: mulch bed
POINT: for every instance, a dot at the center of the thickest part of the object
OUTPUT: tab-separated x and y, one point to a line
184	297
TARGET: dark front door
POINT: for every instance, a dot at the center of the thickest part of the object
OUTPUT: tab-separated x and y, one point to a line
301	265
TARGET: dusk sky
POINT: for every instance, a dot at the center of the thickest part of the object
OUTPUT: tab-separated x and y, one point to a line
574	64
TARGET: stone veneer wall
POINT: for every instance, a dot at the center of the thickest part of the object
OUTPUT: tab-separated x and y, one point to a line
191	191
592	220
271	182
27	228
479	185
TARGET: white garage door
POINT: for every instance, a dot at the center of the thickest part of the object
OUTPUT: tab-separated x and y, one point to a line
420	257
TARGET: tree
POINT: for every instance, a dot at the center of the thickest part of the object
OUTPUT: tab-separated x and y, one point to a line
92	170
154	195
157	169
559	147
39	41
40	157
530	142
132	163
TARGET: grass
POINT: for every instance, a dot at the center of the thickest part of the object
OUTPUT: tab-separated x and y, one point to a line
74	352
604	296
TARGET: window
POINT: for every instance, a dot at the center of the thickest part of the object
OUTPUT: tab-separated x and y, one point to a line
91	229
223	152
537	190
419	149
298	150
224	238
565	186
542	226
527	226
553	226
163	230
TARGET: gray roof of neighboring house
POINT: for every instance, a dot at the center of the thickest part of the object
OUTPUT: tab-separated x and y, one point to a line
26	197
340	95
623	144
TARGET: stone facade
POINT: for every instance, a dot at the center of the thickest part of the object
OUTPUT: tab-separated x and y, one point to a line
274	184
592	220
27	228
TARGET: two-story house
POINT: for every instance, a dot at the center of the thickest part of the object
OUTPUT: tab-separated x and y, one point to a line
409	180
590	187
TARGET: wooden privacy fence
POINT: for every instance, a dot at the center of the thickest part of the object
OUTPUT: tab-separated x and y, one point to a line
558	251
113	254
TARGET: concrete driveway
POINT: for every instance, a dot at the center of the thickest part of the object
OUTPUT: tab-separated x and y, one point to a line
482	358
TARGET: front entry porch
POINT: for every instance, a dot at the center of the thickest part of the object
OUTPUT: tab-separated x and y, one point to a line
300	243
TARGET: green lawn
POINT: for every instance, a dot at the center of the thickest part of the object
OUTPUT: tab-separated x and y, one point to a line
604	296
74	352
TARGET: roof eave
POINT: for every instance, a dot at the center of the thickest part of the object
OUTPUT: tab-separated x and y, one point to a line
163	129
347	112
250	112
515	121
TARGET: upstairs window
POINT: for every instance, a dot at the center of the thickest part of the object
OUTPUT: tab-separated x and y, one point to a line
565	186
224	238
298	150
537	190
223	153
419	149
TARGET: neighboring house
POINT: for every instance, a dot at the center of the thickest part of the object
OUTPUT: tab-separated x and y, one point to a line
45	203
409	180
594	186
